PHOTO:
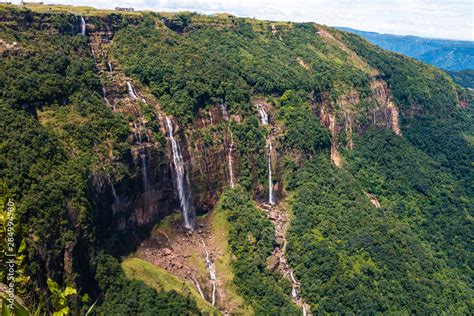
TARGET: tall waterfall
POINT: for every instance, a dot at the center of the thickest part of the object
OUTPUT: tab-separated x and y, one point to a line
229	161
131	91
110	66
181	179
263	114
271	198
83	26
142	153
231	147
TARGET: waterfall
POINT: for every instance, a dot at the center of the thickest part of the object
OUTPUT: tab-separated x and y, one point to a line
224	111
231	146
181	180
110	66
271	199
199	288
131	91
142	152
83	26
229	161
104	94
263	114
212	273
294	293
114	193
144	167
294	289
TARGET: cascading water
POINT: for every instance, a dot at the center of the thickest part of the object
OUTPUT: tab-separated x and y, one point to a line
104	94
199	288
142	153
231	147
229	161
263	114
131	91
224	111
110	66
181	179
83	26
294	289
212	273
271	198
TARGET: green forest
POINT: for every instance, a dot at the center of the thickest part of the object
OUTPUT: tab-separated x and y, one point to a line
375	221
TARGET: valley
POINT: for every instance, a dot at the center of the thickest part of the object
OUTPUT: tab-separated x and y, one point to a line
177	163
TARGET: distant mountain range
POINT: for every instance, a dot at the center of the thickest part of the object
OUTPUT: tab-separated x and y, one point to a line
445	54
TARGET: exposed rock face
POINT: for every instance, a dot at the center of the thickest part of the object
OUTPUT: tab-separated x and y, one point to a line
387	110
209	143
302	63
335	156
179	252
373	200
132	204
344	114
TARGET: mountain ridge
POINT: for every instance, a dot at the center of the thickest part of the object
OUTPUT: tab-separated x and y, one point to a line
447	54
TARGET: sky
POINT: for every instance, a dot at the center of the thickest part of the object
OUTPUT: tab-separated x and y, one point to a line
451	19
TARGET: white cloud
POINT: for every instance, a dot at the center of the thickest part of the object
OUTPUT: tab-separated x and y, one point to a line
432	18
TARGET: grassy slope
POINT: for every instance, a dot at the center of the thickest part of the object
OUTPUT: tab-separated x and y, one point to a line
220	240
161	280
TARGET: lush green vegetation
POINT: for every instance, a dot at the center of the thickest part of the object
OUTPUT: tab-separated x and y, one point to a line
131	297
409	183
56	131
231	61
161	280
61	143
303	133
251	239
430	106
464	78
351	257
251	142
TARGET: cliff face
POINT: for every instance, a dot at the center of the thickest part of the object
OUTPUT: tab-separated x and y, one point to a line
205	148
131	205
208	149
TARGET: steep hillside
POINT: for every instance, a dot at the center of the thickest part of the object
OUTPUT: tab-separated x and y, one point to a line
445	54
464	78
177	163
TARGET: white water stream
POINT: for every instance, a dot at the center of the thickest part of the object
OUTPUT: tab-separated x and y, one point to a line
181	179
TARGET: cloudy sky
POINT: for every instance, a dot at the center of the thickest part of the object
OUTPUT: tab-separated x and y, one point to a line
430	18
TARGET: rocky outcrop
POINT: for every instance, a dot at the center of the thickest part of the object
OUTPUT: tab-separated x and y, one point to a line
386	113
345	115
209	146
277	261
373	200
183	253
